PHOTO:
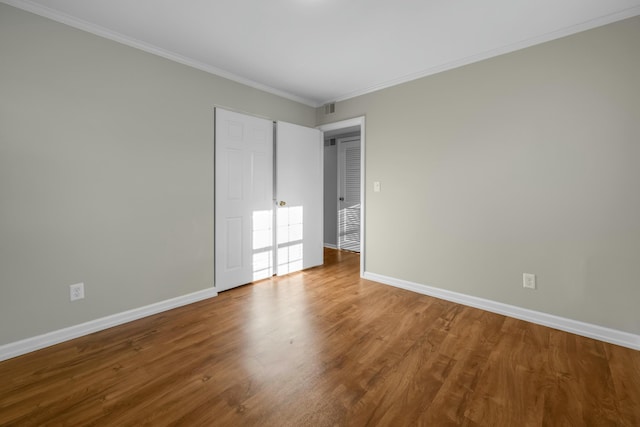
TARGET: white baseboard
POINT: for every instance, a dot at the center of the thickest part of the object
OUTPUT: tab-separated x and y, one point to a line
589	330
330	246
18	348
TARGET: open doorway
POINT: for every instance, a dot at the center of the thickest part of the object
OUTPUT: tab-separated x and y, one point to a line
344	148
342	172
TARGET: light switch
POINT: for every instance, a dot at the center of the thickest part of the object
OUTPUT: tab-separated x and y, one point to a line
376	186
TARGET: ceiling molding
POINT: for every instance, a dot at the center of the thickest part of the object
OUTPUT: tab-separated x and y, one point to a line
66	19
80	24
564	32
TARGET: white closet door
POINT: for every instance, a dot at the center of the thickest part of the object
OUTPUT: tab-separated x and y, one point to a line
243	199
299	192
349	189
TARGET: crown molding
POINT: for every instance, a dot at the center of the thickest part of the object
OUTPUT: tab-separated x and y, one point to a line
97	30
66	19
543	38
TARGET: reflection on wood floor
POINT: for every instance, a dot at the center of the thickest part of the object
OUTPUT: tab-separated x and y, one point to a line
321	348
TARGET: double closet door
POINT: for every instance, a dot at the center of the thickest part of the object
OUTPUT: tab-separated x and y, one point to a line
268	198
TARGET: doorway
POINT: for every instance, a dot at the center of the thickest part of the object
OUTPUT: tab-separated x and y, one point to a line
344	178
349	193
342	172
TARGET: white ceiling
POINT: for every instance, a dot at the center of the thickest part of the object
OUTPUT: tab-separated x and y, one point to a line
317	51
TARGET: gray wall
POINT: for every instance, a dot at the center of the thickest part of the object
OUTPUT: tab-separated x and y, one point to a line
527	162
522	163
106	173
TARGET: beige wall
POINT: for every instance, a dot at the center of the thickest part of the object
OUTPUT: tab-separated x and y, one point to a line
523	163
528	162
106	173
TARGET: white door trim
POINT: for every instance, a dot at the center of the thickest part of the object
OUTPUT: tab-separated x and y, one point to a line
357	121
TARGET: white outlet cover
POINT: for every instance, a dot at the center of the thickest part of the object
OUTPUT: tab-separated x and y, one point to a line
76	291
528	280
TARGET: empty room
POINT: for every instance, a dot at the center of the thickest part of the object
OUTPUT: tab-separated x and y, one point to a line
319	213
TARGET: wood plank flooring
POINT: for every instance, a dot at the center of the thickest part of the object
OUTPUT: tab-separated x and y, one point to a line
323	348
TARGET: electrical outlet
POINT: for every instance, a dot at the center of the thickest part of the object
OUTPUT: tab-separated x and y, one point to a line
528	280
76	291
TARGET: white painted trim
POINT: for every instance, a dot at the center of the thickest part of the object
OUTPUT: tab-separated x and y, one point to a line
543	38
358	121
89	27
28	345
66	19
589	330
330	246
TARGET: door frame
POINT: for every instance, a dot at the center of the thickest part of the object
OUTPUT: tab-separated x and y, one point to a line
357	121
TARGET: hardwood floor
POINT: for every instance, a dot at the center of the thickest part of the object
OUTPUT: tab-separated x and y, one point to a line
324	348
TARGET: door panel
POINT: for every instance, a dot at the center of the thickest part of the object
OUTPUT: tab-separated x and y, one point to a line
299	186
233	244
349	188
243	199
234	174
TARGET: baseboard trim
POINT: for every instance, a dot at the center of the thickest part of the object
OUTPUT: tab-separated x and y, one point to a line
589	330
18	348
330	246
